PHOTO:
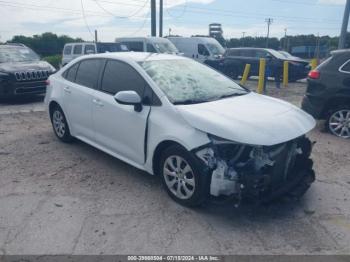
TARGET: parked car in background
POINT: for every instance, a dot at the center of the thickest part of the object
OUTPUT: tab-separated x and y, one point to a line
177	118
148	44
22	72
201	49
292	57
74	50
235	59
328	93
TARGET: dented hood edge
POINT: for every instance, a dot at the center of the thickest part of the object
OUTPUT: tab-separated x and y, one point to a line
250	119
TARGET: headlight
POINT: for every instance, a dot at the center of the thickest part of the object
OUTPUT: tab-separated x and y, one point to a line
219	140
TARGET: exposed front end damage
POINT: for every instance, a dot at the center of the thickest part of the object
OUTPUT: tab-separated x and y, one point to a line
259	173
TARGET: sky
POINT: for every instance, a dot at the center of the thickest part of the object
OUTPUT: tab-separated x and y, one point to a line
131	18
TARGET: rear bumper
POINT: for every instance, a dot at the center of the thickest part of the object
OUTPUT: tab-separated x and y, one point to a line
311	106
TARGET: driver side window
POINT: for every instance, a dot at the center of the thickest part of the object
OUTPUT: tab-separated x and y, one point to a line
202	50
119	76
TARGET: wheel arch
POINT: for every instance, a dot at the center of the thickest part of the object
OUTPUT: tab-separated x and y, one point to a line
335	102
158	151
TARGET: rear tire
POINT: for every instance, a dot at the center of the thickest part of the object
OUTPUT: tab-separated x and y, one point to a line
338	121
183	176
60	125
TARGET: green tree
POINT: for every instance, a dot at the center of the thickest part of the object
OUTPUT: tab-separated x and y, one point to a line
46	44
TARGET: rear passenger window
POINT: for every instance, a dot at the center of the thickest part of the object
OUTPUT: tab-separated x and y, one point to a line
119	76
67	50
88	72
89	49
346	67
77	49
71	72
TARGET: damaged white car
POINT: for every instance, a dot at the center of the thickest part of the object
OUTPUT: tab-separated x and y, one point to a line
202	133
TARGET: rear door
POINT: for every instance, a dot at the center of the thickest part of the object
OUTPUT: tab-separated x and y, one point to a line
119	128
345	70
81	80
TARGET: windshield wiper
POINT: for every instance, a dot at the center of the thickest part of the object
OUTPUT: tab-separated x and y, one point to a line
189	102
231	95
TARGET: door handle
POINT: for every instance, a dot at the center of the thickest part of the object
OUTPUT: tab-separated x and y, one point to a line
97	102
67	90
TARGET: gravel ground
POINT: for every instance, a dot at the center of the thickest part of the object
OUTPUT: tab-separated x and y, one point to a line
73	199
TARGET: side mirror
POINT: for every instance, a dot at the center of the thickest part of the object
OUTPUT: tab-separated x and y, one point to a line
129	98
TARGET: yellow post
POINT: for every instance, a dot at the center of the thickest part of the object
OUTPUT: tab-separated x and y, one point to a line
313	63
285	73
261	75
245	74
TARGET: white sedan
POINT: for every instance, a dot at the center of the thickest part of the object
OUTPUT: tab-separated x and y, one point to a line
202	133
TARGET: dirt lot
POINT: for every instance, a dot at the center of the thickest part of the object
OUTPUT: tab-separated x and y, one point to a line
73	199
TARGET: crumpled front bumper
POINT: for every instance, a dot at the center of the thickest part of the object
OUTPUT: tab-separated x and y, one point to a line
261	174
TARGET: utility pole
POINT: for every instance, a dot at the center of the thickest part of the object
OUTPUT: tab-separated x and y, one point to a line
344	28
243	36
96	36
285	40
269	22
160	18
317	51
153	18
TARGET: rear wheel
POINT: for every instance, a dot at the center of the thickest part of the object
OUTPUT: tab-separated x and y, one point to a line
60	125
183	176
338	121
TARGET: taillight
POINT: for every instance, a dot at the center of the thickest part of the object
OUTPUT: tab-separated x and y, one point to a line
314	74
47	82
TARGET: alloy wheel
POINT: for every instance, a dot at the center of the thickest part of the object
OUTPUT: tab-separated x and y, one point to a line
179	177
339	123
59	123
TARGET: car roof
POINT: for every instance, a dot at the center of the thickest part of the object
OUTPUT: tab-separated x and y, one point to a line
135	56
249	48
341	52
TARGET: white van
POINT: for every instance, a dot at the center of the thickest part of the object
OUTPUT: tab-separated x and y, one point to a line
148	44
74	50
198	48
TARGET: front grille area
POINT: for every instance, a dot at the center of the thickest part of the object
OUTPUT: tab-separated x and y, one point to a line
32	75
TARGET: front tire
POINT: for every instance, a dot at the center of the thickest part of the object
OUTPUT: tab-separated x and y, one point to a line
184	177
60	125
338	121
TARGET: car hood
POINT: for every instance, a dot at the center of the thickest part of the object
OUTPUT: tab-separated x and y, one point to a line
24	66
250	119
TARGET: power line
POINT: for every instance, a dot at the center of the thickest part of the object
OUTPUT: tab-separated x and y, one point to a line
181	14
118	16
84	18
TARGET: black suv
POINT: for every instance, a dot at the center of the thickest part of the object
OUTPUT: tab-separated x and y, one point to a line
21	71
328	93
235	59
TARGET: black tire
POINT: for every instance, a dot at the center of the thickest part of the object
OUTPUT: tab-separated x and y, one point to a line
201	177
330	113
62	133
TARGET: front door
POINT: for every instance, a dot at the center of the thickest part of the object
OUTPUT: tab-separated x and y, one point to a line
119	128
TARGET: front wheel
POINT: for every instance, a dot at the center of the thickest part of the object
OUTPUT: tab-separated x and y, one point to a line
60	125
183	176
338	121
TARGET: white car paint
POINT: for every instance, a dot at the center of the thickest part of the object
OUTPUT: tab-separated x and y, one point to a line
251	119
